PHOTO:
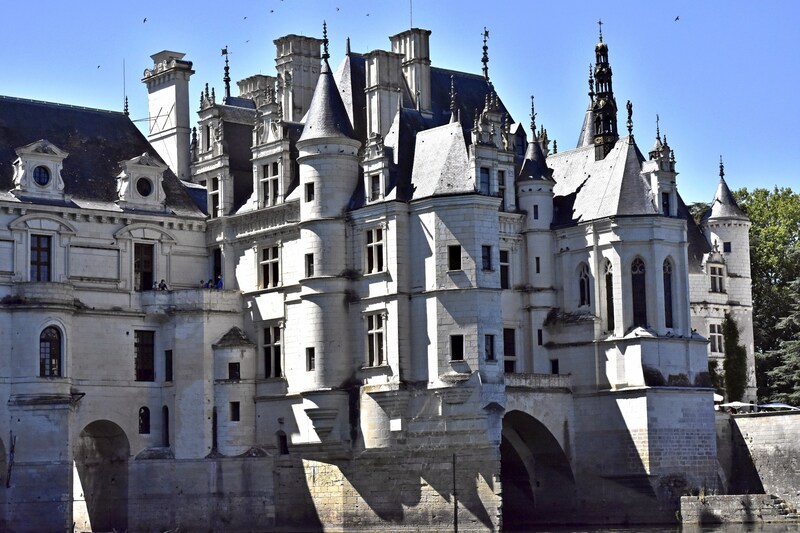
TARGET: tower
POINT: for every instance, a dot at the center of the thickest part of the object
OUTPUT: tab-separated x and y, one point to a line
604	106
168	109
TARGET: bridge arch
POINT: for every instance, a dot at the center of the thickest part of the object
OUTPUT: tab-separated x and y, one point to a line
101	454
537	478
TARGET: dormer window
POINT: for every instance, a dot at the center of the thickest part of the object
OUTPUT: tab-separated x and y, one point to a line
37	170
139	185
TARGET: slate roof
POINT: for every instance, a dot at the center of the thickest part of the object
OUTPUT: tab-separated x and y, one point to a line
441	163
589	190
327	116
724	204
534	166
586	137
350	78
96	140
234	337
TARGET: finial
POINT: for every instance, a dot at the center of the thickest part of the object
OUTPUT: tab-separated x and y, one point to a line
206	90
452	94
125	109
555	146
213	96
325	54
629	106
721	168
485	59
600	24
194	135
347	47
658	132
591	83
533	118
227	77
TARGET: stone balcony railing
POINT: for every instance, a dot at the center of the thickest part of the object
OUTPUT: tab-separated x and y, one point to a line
539	381
44	293
191	300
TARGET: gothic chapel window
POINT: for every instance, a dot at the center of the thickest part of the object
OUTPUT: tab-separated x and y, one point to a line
639	293
583	285
609	280
668	322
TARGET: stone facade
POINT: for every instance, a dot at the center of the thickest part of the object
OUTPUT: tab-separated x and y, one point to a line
420	316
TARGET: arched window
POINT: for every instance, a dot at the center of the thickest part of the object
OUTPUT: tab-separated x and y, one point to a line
583	285
283	443
609	274
144	421
50	353
668	293
639	293
165	426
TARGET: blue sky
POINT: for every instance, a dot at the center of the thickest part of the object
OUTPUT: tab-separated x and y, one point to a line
723	78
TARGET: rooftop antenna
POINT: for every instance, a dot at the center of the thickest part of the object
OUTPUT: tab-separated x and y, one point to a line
411	13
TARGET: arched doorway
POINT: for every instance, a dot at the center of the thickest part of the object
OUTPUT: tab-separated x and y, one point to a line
537	480
101	461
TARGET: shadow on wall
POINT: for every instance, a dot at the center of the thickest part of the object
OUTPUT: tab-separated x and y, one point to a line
378	489
101	459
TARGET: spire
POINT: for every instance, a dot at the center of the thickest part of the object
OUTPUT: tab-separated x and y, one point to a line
604	105
227	77
485	59
591	84
533	119
453	93
325	54
347	47
724	204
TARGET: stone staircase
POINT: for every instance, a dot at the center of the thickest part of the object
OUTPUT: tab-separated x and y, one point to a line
784	508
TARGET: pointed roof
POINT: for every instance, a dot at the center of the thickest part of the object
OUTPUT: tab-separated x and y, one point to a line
327	116
589	190
534	166
441	162
724	204
234	337
586	137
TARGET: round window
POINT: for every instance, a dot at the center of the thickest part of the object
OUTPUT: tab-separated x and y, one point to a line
41	176
144	187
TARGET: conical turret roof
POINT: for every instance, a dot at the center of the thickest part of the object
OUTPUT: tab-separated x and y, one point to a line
724	204
534	166
327	116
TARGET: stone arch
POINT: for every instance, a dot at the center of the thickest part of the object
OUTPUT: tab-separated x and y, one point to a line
536	475
101	454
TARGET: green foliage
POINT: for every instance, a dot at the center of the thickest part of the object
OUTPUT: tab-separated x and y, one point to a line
716	379
735	363
775	264
697	210
783	374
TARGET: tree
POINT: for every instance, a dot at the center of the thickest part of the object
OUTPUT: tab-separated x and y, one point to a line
735	363
775	264
783	379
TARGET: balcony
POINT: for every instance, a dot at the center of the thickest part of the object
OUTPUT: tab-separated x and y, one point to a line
539	382
191	300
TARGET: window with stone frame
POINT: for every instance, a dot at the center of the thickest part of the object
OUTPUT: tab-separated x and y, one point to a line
272	352
486	257
374	187
144	421
50	352
311	359
484	185
144	343
374	251
213	198
501	188
639	292
717	274
270	264
235	411
509	350
609	282
456	347
668	318
309	265
584	285
376	323
143	266
454	257
505	270
270	184
488	348
41	257
715	338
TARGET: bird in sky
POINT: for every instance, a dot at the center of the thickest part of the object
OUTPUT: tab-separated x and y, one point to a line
98	66
677	18
144	20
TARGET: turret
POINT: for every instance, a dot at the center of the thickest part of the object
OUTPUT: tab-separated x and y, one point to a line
168	109
604	107
660	173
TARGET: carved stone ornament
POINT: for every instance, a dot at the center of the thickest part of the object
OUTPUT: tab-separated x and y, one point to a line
37	170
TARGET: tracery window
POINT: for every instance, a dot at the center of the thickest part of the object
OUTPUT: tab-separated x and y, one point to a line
583	285
609	280
639	292
668	322
50	353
